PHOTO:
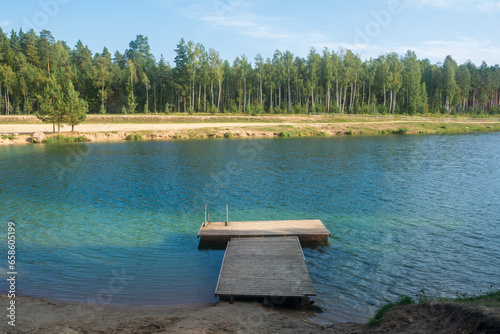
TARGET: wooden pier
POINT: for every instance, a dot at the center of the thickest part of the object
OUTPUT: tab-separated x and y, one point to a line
264	267
308	231
264	258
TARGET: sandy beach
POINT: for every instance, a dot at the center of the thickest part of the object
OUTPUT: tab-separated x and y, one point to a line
45	316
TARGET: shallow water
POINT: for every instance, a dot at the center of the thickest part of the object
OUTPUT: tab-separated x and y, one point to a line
118	222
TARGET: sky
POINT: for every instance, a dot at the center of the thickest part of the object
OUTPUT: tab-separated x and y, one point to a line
464	29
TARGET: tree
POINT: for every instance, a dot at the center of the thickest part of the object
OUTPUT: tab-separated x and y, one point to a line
52	106
463	80
75	107
101	72
181	75
411	82
132	104
7	78
45	51
449	84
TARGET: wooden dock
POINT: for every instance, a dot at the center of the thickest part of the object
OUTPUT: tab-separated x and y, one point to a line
306	230
264	267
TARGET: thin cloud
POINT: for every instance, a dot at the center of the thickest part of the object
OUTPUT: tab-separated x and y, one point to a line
4	23
270	30
483	6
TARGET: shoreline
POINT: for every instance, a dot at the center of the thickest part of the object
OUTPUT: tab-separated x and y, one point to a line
285	127
49	316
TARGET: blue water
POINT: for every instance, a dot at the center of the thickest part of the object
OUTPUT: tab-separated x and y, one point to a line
118	222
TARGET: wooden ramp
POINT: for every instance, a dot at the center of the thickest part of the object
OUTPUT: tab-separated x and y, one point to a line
264	267
305	230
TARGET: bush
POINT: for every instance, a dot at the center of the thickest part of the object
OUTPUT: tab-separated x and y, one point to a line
284	134
233	109
10	137
102	110
228	135
136	137
124	110
190	111
401	131
297	109
382	109
63	139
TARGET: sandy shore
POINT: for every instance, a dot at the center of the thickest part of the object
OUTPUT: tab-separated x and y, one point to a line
34	315
102	127
100	132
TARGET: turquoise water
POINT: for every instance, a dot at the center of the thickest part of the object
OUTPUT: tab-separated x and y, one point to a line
118	222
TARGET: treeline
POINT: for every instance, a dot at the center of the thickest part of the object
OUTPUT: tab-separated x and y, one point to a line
199	80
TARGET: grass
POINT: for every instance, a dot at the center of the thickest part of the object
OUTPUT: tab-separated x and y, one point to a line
400	131
402	300
10	137
136	137
490	299
64	139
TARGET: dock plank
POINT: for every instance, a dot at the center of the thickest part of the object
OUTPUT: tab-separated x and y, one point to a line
306	230
264	267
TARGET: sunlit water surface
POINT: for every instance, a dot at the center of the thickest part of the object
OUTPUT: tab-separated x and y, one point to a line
118	222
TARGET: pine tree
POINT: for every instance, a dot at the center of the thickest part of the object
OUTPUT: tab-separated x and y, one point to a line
75	107
52	106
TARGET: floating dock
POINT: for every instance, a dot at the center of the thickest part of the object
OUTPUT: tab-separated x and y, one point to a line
264	259
264	267
308	231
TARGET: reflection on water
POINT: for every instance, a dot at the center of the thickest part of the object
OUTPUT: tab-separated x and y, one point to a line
406	213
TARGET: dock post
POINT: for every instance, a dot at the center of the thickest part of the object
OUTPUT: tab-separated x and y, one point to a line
206	211
227	214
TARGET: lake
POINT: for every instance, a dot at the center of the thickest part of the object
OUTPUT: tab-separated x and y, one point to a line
117	222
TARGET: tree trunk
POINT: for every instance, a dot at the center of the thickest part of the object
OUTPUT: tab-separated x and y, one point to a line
244	95
384	96
218	101
390	103
199	96
212	91
328	97
154	94
369	92
204	98
394	103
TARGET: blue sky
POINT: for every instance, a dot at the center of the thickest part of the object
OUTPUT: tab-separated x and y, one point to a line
466	29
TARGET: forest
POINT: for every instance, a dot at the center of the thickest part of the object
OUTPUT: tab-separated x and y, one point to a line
199	80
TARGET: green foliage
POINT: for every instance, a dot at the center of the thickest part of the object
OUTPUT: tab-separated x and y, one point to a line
234	109
136	137
59	138
400	131
190	111
132	104
124	110
228	135
284	134
213	110
402	300
10	137
61	107
391	82
102	110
